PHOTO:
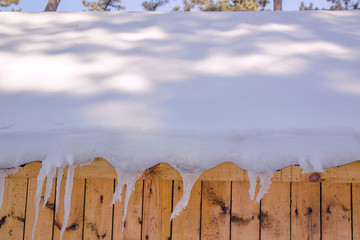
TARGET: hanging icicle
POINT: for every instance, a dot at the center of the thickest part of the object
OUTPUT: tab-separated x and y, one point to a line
67	198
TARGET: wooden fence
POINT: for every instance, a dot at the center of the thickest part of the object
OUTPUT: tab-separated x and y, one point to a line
298	206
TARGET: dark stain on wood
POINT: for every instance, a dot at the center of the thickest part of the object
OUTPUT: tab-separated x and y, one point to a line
49	205
140	222
309	211
101	198
296	212
179	188
345	209
103	236
57	224
20	219
124	224
93	228
150	189
328	209
72	227
147	237
315	177
240	220
2	221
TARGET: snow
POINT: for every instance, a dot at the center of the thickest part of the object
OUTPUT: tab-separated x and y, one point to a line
262	90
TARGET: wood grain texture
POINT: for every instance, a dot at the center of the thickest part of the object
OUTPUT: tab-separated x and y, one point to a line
44	226
133	221
275	212
187	225
244	213
74	228
305	211
356	210
215	217
336	211
98	209
12	211
157	209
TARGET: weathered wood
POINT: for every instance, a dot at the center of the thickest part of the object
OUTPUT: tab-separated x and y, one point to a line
215	217
157	209
133	221
12	211
98	209
305	211
187	225
275	212
356	210
44	226
74	228
336	211
244	213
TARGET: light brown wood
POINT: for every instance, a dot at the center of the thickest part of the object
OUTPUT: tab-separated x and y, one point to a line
215	217
98	209
336	211
75	224
275	212
356	210
133	221
244	213
12	211
305	211
187	225
44	226
157	209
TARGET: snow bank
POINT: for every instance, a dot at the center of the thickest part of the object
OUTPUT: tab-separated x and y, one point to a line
262	90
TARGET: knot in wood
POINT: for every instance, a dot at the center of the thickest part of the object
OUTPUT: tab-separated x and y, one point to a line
315	177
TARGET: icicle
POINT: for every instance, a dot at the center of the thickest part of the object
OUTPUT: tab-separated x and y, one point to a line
128	179
58	184
265	182
253	182
189	180
3	174
67	198
49	181
40	182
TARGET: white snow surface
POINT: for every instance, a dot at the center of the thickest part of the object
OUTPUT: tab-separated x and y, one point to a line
261	89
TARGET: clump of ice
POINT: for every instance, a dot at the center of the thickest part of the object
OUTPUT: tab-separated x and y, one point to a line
264	184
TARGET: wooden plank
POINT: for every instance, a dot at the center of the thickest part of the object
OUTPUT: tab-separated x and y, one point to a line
12	211
157	210
187	225
275	212
356	210
336	211
133	221
98	209
75	226
44	226
244	213
305	211
215	217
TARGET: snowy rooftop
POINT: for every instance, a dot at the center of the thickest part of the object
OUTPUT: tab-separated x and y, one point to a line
263	90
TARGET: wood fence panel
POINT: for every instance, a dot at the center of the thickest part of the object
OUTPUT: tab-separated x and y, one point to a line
157	209
187	225
74	228
133	221
356	210
12	211
215	217
244	213
98	209
275	212
336	211
44	226
305	211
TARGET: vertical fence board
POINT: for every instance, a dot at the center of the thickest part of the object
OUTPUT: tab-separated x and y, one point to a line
356	210
187	225
336	211
215	218
75	225
98	211
133	221
244	213
305	211
157	209
12	211
275	212
44	226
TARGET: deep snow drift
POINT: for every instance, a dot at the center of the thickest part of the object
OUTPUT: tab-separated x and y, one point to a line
263	90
